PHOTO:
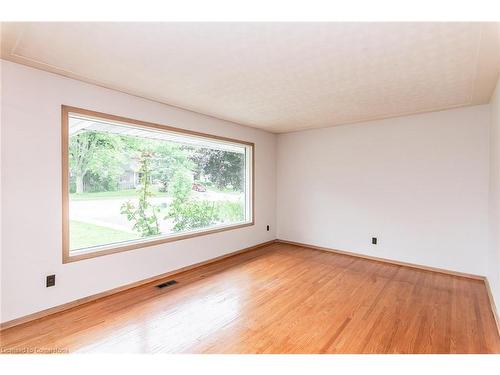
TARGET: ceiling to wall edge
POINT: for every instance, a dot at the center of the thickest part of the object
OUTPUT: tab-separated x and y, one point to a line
145	97
481	78
73	76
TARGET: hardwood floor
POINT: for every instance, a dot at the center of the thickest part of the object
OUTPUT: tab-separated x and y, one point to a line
278	299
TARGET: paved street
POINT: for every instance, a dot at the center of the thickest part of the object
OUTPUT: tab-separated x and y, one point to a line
106	212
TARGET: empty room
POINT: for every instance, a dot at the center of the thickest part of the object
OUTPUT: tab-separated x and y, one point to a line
250	187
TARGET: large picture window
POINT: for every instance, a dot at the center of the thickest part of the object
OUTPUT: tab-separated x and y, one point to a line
129	184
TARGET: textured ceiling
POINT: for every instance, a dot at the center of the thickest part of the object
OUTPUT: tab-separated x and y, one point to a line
276	76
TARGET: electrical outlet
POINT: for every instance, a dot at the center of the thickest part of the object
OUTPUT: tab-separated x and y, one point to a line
268	228
374	240
51	280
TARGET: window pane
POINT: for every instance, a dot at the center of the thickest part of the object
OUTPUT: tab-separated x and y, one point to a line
129	183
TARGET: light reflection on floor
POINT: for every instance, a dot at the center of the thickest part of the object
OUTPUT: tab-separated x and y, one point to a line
177	328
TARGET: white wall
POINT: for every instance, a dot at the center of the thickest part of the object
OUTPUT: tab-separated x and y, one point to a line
494	254
31	193
418	183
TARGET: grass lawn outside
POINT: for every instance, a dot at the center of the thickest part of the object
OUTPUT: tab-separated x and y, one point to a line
225	191
86	235
130	193
83	234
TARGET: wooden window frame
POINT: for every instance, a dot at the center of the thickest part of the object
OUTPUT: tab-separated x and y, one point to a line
112	249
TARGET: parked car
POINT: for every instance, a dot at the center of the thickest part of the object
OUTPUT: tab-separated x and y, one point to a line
199	187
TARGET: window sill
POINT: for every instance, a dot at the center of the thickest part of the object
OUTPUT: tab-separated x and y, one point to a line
133	245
